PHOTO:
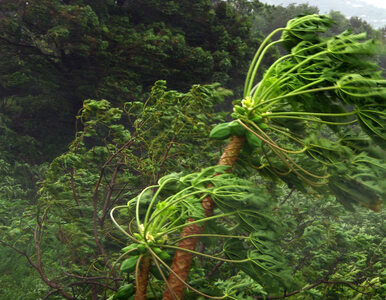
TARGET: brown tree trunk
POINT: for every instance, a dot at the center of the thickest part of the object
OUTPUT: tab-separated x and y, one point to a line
182	259
143	278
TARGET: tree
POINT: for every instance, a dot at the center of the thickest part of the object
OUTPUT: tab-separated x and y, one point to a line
58	53
314	86
117	152
265	18
252	236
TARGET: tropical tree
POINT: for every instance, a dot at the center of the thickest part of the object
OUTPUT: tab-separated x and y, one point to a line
56	54
303	136
115	153
304	123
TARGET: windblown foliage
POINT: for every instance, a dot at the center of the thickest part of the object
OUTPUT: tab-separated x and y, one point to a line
311	108
249	234
55	54
325	85
314	130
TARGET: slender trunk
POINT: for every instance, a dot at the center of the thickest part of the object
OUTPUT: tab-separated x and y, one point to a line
182	259
94	292
143	278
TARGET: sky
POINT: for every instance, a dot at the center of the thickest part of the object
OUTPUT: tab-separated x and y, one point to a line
372	11
377	3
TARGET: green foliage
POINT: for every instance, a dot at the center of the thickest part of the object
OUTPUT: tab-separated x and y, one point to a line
55	54
344	252
117	152
315	87
249	244
17	201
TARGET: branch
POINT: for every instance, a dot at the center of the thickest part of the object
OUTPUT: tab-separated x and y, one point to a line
95	220
95	197
215	268
349	284
93	283
74	193
292	293
117	196
20	252
109	193
50	293
37	51
285	199
164	158
95	205
91	278
127	144
38	266
78	283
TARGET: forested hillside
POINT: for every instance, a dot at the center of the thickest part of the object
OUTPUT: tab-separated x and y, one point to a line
117	181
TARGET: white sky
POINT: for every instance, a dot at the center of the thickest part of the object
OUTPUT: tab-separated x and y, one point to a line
378	3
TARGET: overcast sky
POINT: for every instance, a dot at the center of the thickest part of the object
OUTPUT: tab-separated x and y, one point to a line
378	3
372	11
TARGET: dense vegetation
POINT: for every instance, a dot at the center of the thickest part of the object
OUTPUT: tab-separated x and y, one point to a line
163	74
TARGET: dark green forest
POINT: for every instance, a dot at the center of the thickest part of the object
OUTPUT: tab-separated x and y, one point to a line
190	150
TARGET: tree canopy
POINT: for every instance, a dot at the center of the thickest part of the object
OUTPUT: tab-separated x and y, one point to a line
113	120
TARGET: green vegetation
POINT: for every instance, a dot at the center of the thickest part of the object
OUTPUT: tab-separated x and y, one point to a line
136	202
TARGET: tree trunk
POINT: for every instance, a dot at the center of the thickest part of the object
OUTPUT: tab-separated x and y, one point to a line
143	278
182	259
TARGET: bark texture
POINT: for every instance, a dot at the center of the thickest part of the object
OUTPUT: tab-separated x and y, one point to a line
143	279
182	260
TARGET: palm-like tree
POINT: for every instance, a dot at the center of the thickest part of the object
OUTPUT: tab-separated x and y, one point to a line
324	85
312	120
